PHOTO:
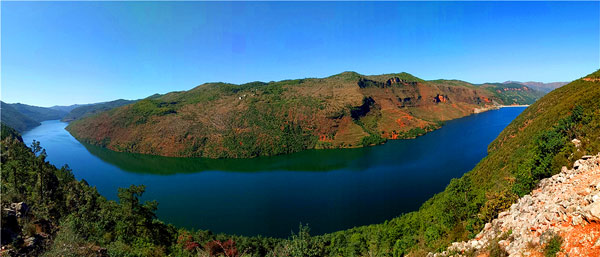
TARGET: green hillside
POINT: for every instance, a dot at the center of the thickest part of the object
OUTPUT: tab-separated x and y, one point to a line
14	119
23	117
37	113
219	120
66	108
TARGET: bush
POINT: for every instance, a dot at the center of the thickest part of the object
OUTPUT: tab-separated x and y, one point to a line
553	246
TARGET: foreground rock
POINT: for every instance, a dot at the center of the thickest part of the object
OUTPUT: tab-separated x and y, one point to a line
566	206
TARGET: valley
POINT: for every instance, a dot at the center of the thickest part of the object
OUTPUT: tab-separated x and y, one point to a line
532	147
300	129
278	192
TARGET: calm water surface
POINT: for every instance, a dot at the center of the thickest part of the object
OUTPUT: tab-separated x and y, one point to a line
328	189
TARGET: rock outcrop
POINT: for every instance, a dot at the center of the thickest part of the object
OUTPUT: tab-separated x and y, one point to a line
566	204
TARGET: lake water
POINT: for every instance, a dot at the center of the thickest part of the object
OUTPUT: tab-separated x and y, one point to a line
328	189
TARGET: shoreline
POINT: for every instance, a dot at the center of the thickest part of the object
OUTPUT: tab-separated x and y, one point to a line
496	107
522	105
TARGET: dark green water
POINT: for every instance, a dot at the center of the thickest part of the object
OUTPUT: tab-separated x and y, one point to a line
328	189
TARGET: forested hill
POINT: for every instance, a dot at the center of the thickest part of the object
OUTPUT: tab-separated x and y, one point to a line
219	120
14	119
24	117
39	113
92	109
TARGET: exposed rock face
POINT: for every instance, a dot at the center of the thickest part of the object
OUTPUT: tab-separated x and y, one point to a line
362	110
440	99
592	79
17	209
566	204
396	80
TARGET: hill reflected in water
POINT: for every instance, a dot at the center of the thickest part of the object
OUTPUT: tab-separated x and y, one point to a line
309	160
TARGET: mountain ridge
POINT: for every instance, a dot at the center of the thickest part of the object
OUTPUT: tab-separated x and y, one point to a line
86	110
223	120
15	119
545	87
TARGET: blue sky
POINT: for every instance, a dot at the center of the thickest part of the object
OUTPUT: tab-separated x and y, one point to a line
82	52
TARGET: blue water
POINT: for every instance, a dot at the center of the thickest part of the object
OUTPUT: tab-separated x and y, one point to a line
328	189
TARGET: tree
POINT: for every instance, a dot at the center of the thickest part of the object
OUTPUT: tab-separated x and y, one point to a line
136	217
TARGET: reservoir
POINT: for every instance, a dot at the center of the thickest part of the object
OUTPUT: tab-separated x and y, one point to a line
329	190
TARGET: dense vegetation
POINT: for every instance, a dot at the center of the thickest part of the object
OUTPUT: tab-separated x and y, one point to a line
219	120
37	113
24	117
91	109
65	217
13	118
66	108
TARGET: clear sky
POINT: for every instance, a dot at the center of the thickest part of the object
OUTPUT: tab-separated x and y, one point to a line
81	52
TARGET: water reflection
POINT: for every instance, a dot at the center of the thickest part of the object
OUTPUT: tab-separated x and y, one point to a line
310	160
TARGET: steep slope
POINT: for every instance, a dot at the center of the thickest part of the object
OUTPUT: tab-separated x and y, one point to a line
83	111
562	215
14	119
223	120
39	113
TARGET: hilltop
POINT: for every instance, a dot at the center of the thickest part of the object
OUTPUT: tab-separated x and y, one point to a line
220	120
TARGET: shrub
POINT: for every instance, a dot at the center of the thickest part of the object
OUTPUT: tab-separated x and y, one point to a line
553	246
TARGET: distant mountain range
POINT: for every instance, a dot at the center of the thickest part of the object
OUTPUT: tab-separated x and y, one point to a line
545	87
67	108
23	117
220	120
91	109
39	113
15	119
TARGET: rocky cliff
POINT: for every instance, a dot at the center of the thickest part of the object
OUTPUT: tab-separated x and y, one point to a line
561	216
